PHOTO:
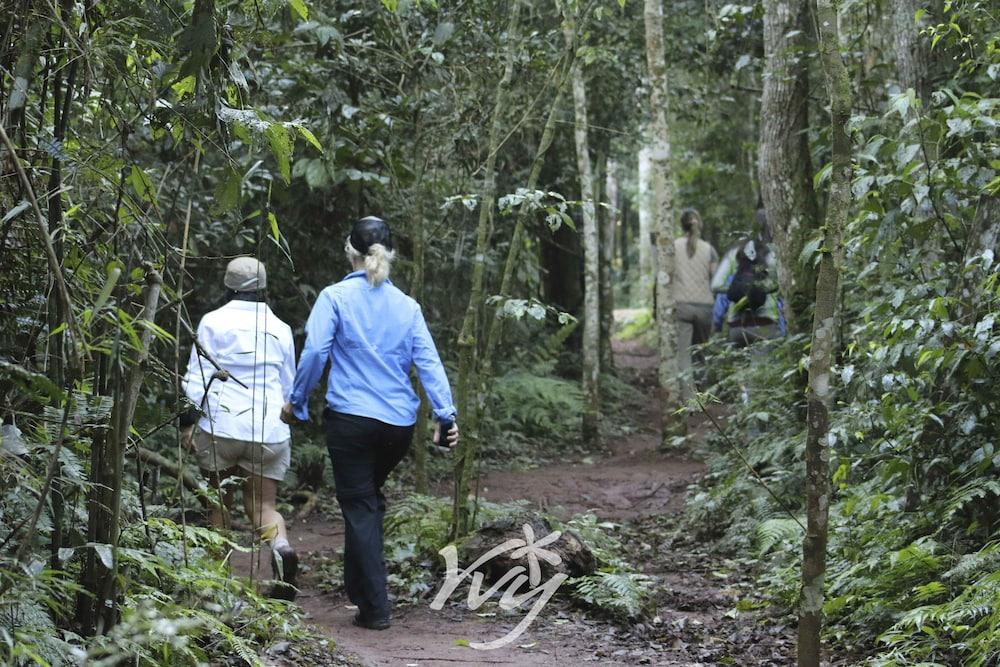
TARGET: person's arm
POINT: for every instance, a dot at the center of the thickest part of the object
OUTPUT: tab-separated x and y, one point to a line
287	375
726	268
199	371
320	330
431	371
713	262
194	383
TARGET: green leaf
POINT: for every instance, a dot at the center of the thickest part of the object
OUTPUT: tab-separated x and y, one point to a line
104	553
114	274
308	136
316	174
299	7
227	193
281	148
822	175
275	232
809	249
142	184
185	86
22	206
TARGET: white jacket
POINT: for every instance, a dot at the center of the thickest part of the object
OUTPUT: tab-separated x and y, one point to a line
247	339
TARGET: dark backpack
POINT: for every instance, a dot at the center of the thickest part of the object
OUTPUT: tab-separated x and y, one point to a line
745	291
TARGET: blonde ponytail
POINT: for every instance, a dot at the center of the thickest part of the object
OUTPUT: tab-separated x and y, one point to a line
378	263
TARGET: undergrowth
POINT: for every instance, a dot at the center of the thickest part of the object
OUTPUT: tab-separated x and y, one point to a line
417	528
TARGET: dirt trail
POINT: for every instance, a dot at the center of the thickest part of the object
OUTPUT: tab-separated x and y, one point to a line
634	482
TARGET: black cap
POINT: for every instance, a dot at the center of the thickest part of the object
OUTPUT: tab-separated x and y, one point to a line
369	231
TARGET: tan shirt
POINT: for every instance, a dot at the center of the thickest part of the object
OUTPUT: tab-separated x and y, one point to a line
693	275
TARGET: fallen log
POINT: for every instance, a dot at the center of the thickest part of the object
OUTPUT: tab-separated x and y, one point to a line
189	481
575	558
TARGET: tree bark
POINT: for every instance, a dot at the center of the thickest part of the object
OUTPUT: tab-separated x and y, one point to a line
820	392
912	57
608	228
663	219
645	226
468	385
591	251
784	165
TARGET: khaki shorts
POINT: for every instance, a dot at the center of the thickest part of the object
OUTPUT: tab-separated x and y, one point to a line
269	460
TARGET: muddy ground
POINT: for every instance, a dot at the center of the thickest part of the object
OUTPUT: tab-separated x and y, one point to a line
694	619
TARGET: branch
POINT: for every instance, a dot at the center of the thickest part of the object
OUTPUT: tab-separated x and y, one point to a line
76	357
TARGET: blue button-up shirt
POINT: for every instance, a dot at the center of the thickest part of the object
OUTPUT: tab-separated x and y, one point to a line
372	336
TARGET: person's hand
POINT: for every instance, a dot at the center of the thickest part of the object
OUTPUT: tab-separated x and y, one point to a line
452	438
288	415
187	437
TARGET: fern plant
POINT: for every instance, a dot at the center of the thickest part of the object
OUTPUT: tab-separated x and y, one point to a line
622	594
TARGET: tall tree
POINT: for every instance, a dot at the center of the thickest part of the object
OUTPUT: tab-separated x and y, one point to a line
663	216
608	228
911	57
645	224
820	393
467	339
784	165
591	246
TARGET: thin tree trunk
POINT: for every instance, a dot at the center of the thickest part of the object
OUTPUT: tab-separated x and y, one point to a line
911	55
591	251
608	228
468	385
417	290
663	219
121	423
785	167
548	134
646	197
820	394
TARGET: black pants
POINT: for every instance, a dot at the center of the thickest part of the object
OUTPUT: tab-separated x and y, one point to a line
363	452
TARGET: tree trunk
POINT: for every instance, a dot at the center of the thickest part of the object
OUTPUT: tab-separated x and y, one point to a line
645	227
591	252
417	291
608	228
911	55
662	219
106	523
820	393
785	167
548	134
468	385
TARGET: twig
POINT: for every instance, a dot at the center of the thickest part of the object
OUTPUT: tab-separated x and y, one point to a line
187	479
76	340
743	458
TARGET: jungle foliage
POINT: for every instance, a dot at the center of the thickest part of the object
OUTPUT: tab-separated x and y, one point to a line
146	142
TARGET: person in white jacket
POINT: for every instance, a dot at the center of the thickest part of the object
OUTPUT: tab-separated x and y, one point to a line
239	430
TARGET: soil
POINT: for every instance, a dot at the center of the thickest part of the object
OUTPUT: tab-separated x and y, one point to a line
695	621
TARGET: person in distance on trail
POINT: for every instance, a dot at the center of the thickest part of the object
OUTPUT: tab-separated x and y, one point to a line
240	429
373	335
745	285
695	263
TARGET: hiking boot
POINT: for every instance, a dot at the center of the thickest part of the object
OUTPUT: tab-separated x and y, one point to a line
285	588
375	624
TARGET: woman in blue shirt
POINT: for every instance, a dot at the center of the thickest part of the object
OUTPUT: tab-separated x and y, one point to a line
372	334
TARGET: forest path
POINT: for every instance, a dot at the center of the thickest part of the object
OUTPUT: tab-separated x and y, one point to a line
634	482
